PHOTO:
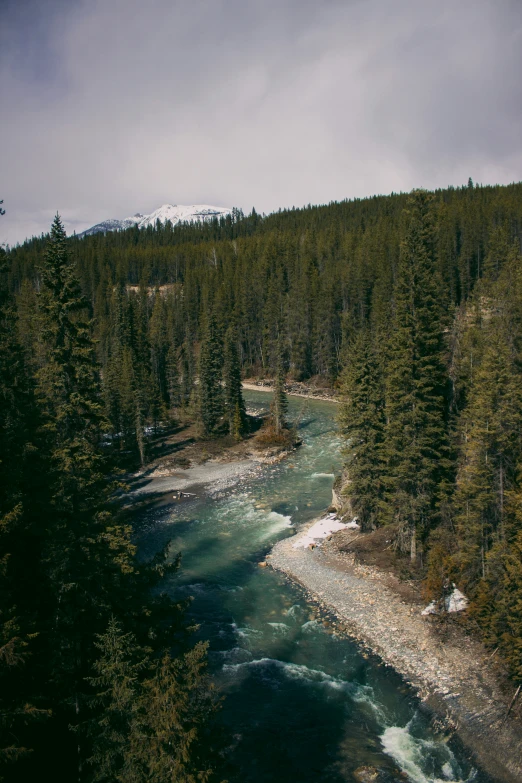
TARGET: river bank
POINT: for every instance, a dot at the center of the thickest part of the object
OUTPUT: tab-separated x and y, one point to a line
453	676
293	389
181	460
302	703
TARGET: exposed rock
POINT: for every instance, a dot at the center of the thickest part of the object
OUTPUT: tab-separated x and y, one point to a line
368	774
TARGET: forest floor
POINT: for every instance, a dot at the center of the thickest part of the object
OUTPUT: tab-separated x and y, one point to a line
459	683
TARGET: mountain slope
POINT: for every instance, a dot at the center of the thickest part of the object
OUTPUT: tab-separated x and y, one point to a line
176	213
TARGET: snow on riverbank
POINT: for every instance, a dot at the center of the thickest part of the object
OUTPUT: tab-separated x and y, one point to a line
455	679
320	530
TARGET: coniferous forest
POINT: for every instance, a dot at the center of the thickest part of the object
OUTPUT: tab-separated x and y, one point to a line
409	305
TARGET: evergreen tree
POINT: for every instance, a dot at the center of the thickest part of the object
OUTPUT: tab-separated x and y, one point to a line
279	406
210	390
187	370
20	548
154	713
234	403
88	552
490	451
172	377
416	449
362	423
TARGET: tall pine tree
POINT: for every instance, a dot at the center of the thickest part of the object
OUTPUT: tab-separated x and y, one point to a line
362	424
234	402
416	450
87	553
279	406
210	391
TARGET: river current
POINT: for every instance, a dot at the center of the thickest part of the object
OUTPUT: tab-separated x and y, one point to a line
303	705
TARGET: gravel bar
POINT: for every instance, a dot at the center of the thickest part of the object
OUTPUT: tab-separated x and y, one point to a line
454	679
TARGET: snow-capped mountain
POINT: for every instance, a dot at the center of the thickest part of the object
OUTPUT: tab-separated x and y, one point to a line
176	213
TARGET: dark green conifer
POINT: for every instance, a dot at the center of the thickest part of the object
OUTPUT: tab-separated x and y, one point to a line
87	552
362	424
154	711
21	527
279	406
489	453
234	404
210	390
172	377
416	449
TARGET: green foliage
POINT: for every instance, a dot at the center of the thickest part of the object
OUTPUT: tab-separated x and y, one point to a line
151	712
210	391
234	404
279	406
21	472
416	445
362	423
67	562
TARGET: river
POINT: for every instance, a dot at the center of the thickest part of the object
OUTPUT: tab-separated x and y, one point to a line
303	705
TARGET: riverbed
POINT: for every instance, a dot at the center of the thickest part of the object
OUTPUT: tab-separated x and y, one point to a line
304	704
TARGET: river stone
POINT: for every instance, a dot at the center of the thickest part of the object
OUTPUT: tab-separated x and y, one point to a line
374	775
366	775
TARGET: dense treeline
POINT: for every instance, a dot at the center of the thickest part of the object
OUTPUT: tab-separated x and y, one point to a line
432	414
98	679
300	282
412	305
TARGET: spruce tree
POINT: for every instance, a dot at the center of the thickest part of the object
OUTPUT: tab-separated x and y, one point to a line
279	406
87	552
172	377
154	712
416	449
362	424
210	390
234	404
489	454
22	497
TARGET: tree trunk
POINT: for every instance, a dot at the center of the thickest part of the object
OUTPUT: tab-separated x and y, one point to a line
413	544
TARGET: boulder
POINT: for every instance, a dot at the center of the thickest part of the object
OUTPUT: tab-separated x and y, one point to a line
366	775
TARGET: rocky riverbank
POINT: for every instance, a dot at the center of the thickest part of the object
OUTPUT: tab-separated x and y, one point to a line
181	461
294	389
453	676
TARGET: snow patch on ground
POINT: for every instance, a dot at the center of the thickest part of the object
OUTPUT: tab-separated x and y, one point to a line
321	529
454	602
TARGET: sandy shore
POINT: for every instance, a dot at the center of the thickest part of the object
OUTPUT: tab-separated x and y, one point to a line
454	677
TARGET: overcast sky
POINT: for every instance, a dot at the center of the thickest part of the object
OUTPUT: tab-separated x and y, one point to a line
110	107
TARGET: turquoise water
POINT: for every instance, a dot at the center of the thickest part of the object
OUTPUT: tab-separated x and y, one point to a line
303	705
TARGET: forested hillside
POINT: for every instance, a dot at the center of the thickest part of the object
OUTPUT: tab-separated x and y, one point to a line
410	305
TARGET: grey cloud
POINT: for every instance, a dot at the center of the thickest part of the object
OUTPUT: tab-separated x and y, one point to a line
113	106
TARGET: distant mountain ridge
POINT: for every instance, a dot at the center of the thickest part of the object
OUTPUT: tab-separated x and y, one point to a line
176	213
